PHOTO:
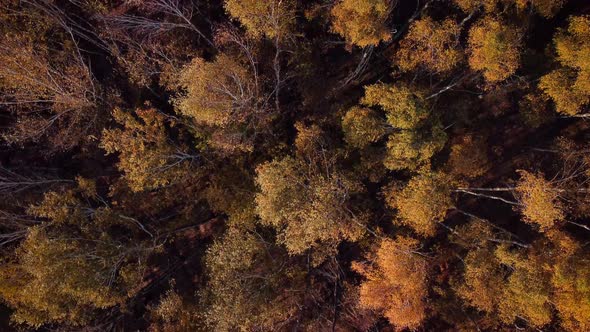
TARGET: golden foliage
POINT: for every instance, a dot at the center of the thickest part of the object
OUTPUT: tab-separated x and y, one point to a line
404	108
46	286
569	85
146	155
423	202
173	314
35	79
483	278
413	140
571	280
308	207
573	45
494	49
222	98
559	85
469	6
218	92
431	45
71	266
395	283
59	207
546	8
362	126
362	22
539	200
309	140
272	18
412	149
248	286
527	291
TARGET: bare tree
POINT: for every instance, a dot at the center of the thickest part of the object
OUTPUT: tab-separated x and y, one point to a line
176	15
13	183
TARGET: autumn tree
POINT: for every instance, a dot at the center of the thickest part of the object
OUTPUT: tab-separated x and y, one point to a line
571	180
483	277
413	139
543	202
469	6
469	157
571	284
249	286
413	136
152	40
75	264
431	45
568	85
363	126
526	294
545	275
218	92
308	207
539	199
223	96
52	93
404	107
309	199
158	18
173	313
395	283
147	156
145	60
423	202
362	23
494	49
546	8
413	149
269	18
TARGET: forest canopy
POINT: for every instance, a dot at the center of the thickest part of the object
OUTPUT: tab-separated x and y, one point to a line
294	165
